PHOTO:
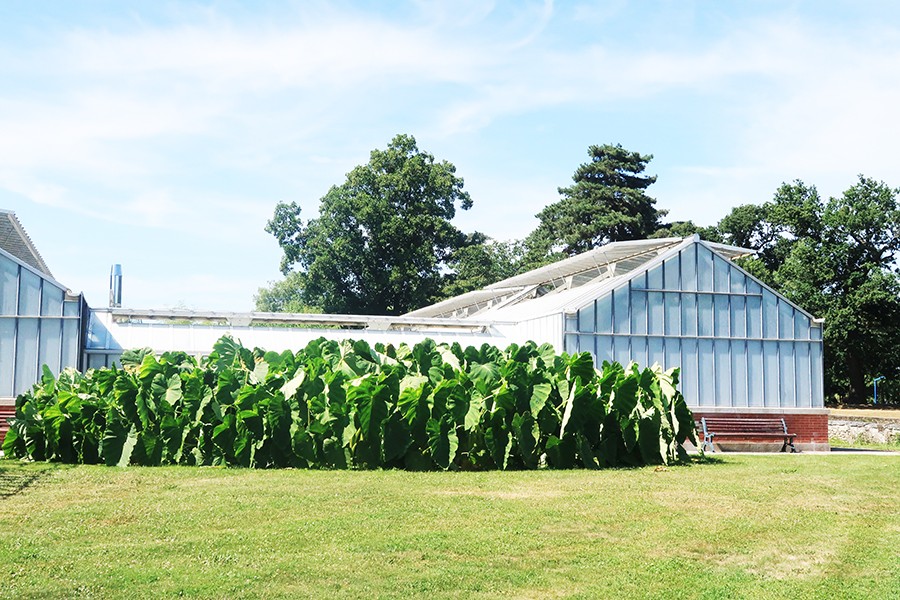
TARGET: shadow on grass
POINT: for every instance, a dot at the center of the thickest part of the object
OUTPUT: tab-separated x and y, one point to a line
16	477
705	459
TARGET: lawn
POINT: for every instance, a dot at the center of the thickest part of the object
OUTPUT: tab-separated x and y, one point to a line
768	526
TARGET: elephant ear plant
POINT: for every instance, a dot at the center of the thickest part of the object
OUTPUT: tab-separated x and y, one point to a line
350	404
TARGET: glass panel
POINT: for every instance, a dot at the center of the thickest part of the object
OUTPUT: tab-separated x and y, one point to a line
815	361
639	352
786	364
771	375
26	355
738	282
51	338
70	344
571	324
770	316
738	373
689	268
655	278
95	361
586	344
655	310
656	354
722	316
570	343
9	286
51	300
671	275
672	353
639	282
803	373
688	314
639	312
785	321
604	314
604	350
29	293
586	321
753	287
723	373
621	350
690	375
704	270
721	271
738	316
801	326
7	356
673	313
815	332
707	363
755	373
620	310
705	314
70	308
754	317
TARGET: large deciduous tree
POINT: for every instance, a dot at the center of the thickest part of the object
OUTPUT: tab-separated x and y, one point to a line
606	203
838	260
383	238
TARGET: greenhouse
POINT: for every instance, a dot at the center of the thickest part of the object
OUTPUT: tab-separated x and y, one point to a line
743	349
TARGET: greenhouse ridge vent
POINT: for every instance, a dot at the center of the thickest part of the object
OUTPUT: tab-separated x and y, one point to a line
743	349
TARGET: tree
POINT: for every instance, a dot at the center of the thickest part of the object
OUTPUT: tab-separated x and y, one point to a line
606	203
837	259
383	238
480	264
684	229
284	296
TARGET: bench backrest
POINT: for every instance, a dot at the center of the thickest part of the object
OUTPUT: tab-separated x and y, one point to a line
742	425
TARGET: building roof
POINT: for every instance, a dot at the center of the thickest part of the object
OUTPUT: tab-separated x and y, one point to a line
16	242
563	284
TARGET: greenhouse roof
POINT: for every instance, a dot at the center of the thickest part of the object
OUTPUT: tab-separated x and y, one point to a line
16	242
563	284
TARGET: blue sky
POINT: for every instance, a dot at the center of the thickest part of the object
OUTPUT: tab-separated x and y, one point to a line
160	135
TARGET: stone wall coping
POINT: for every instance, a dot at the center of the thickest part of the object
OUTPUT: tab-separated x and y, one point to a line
758	410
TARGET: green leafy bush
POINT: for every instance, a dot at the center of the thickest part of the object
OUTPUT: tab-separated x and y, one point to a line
350	405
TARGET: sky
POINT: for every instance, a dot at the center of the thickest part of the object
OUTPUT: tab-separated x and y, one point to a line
161	135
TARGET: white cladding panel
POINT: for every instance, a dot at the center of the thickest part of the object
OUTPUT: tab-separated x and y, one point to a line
107	338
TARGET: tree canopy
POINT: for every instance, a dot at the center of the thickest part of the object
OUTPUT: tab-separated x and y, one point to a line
382	239
606	203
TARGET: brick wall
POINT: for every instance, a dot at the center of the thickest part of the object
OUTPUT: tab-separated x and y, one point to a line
6	412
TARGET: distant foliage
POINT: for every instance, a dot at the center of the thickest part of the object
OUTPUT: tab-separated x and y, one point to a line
349	405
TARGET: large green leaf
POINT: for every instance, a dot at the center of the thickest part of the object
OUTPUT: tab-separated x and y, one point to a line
540	394
442	442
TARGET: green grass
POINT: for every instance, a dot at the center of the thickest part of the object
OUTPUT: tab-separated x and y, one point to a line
787	526
893	446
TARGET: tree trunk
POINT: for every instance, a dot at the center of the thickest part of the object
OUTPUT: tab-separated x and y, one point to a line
858	392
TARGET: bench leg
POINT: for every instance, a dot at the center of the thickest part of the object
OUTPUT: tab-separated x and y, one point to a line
788	442
707	444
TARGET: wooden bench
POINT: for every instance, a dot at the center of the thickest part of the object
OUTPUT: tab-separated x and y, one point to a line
722	428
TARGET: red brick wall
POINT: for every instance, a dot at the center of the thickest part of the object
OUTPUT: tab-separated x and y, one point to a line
810	428
6	412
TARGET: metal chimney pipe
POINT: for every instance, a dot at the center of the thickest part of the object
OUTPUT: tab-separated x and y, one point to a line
115	286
